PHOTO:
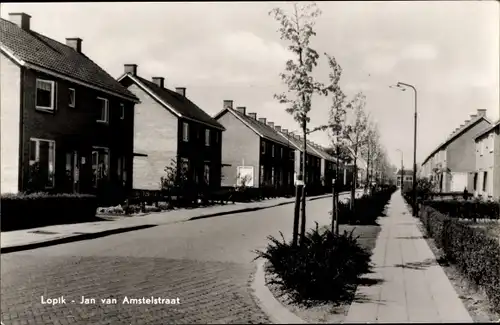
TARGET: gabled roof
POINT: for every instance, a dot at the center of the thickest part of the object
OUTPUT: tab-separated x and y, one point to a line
323	154
457	134
178	104
488	130
262	130
406	172
299	144
38	52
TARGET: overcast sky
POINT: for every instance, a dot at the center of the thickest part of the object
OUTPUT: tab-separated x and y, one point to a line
448	50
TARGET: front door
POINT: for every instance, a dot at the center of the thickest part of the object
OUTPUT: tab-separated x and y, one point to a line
73	171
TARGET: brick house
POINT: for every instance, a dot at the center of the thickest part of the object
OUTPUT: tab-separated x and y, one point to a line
171	130
455	158
407	179
253	148
487	174
66	124
328	166
312	178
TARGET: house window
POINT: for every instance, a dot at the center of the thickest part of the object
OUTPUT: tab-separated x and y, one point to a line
481	147
281	152
103	110
42	162
272	175
485	181
184	166
206	172
207	137
100	165
272	150
263	147
45	94
72	97
185	132
492	142
122	170
261	174
122	111
292	155
475	181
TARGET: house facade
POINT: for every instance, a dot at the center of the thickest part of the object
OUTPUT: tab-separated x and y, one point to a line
253	152
312	178
66	125
453	163
172	132
406	179
487	173
328	166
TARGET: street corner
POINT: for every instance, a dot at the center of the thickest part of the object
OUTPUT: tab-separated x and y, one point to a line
277	313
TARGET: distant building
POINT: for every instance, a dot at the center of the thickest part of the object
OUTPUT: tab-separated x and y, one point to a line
453	163
487	173
407	179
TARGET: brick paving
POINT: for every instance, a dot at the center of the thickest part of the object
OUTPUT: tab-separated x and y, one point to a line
209	292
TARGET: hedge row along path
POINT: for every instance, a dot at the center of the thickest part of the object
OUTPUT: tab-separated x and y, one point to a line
408	284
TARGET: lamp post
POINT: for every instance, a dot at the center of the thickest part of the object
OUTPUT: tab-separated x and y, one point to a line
401	86
402	168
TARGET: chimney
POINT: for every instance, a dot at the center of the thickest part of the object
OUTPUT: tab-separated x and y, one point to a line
285	131
181	91
481	112
271	124
253	115
242	109
227	103
262	120
20	19
277	128
131	68
473	116
75	43
159	81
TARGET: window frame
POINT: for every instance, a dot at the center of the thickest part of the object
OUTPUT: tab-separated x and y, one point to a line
122	111
37	157
106	110
485	181
492	142
272	150
52	107
72	90
206	164
185	131
263	147
207	137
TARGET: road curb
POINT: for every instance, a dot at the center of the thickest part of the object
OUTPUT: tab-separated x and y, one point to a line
71	238
218	214
277	313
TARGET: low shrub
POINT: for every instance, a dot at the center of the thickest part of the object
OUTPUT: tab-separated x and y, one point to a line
476	255
21	211
324	268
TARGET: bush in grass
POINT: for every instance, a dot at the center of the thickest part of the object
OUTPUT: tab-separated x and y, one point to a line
21	211
476	255
474	209
324	268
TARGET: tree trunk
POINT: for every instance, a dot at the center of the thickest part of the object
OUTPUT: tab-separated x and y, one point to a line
296	215
353	188
303	210
337	190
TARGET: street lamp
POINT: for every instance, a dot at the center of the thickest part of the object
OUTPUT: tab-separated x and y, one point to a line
401	86
402	168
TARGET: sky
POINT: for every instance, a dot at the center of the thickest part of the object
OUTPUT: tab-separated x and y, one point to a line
232	50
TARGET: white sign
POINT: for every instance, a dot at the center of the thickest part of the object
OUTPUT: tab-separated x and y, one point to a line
245	174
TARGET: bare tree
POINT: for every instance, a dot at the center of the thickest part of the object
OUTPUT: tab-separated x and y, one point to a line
297	29
355	132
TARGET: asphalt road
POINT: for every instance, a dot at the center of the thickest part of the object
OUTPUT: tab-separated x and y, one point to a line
206	263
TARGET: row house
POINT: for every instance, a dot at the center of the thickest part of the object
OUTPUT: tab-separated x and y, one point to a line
171	131
452	164
487	173
253	150
66	125
328	166
312	178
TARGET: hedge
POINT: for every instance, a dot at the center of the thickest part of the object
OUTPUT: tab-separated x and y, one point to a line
22	211
467	209
476	255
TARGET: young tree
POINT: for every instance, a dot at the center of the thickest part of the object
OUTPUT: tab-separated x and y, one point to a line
372	140
355	132
297	29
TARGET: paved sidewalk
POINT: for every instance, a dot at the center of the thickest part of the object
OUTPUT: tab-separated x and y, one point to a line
409	286
53	235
